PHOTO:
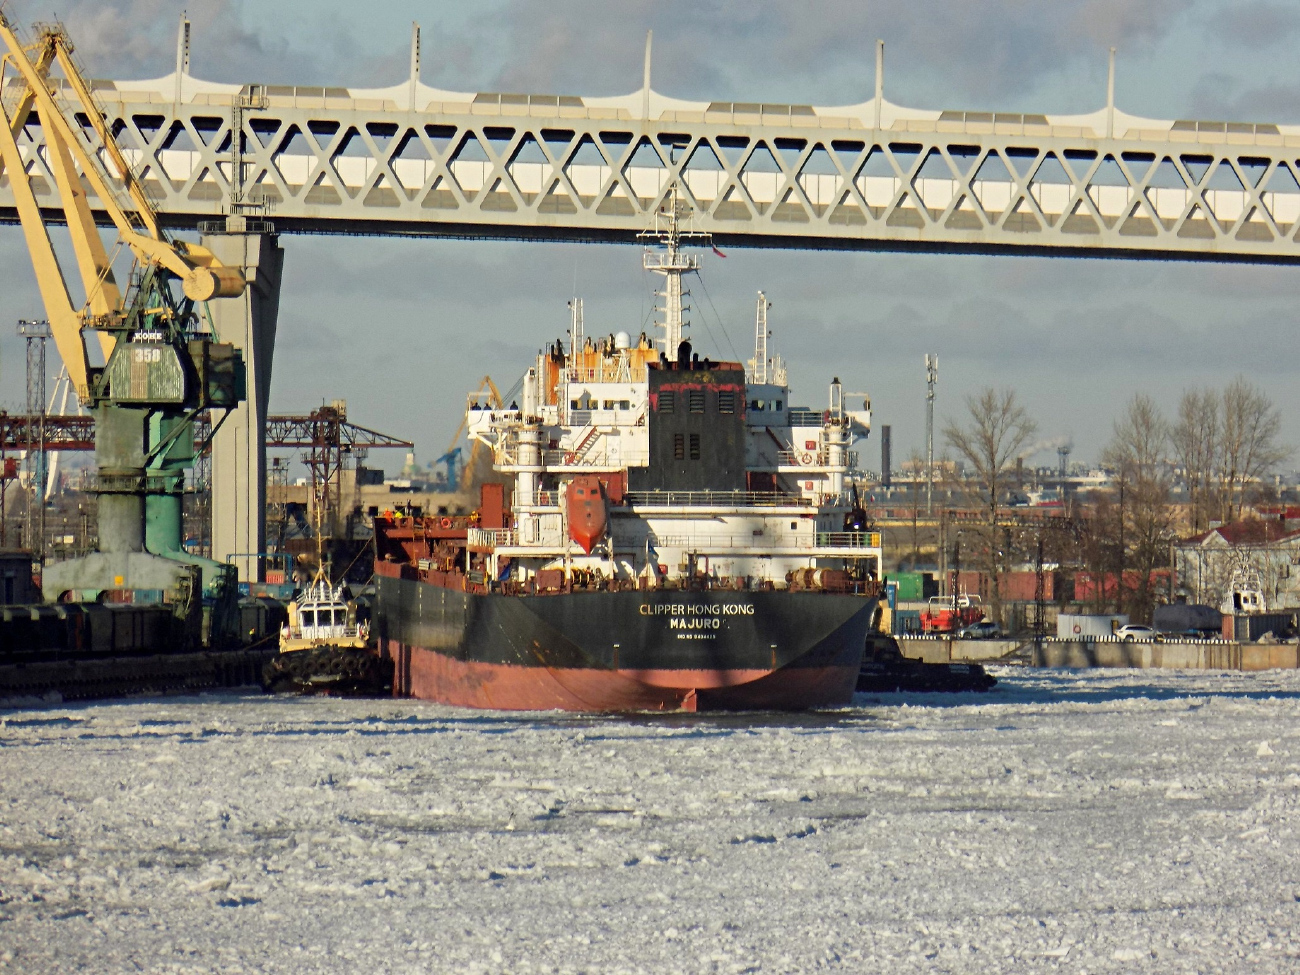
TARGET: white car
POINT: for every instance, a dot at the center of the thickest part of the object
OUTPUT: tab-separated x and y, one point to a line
1136	633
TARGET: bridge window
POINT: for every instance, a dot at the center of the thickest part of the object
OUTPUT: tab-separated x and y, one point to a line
757	405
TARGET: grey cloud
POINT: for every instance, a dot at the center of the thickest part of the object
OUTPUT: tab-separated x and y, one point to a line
1256	24
997	54
126	39
813	50
1221	96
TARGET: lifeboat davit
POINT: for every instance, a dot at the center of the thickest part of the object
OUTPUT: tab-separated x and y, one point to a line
585	501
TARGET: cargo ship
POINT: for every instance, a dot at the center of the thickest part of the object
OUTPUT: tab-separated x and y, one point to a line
661	532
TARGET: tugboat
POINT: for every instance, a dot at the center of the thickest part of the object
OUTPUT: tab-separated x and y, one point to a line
885	669
662	531
324	647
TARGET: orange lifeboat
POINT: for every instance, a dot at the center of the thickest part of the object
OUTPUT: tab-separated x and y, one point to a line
585	501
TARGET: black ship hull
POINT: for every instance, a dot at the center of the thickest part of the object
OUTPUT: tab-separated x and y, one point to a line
617	651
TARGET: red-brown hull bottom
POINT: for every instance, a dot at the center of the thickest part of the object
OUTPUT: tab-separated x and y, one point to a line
433	676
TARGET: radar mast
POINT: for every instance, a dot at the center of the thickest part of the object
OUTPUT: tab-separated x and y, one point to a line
672	263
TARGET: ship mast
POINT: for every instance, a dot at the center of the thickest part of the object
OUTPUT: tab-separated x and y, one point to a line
672	263
760	341
763	368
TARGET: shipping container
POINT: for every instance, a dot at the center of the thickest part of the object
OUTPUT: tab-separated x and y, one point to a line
1247	628
915	586
1086	584
1071	626
973	584
1186	618
1022	586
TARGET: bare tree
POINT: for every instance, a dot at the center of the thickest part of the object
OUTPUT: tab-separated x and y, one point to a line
1195	441
1097	549
997	430
1136	453
1249	446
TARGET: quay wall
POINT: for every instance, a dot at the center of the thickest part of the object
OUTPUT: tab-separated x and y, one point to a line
1189	655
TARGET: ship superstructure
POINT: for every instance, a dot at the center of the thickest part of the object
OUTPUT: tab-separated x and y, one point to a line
703	468
661	530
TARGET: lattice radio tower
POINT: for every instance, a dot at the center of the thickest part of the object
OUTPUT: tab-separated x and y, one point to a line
36	333
931	378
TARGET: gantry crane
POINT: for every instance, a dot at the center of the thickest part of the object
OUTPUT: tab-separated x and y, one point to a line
161	364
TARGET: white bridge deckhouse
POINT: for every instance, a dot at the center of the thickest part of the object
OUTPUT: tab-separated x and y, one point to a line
636	459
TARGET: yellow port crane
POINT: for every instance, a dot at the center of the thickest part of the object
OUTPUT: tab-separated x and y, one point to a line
162	367
72	156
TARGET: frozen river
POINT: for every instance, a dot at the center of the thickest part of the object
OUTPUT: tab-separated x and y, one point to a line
1100	821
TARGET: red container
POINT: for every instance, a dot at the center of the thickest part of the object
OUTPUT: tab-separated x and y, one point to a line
1022	586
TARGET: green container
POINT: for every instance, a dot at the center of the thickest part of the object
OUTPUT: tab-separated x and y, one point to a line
915	586
911	586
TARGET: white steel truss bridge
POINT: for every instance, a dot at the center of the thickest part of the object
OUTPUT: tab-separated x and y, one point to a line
414	160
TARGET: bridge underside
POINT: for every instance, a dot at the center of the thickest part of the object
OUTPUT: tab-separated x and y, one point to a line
923	182
542	234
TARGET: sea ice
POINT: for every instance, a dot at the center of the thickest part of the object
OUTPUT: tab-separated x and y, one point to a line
1100	821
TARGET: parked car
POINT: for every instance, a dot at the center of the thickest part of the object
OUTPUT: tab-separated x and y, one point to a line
983	630
1137	633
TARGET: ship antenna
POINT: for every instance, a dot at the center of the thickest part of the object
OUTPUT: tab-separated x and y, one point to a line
672	264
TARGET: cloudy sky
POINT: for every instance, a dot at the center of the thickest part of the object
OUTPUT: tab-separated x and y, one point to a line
400	328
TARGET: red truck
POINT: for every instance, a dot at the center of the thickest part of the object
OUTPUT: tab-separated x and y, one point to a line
948	614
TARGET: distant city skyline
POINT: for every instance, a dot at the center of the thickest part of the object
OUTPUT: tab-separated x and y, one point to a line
402	329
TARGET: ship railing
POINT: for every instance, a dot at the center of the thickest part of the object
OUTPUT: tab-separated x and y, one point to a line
327	632
715	499
598	456
704	542
696	499
805	418
800	458
490	538
608	370
812	458
848	540
616	417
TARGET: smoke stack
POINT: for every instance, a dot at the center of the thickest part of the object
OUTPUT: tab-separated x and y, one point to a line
886	476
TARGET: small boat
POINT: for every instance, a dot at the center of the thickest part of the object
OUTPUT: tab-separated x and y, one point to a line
324	647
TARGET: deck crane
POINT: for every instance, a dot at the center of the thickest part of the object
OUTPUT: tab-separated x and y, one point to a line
161	367
476	400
